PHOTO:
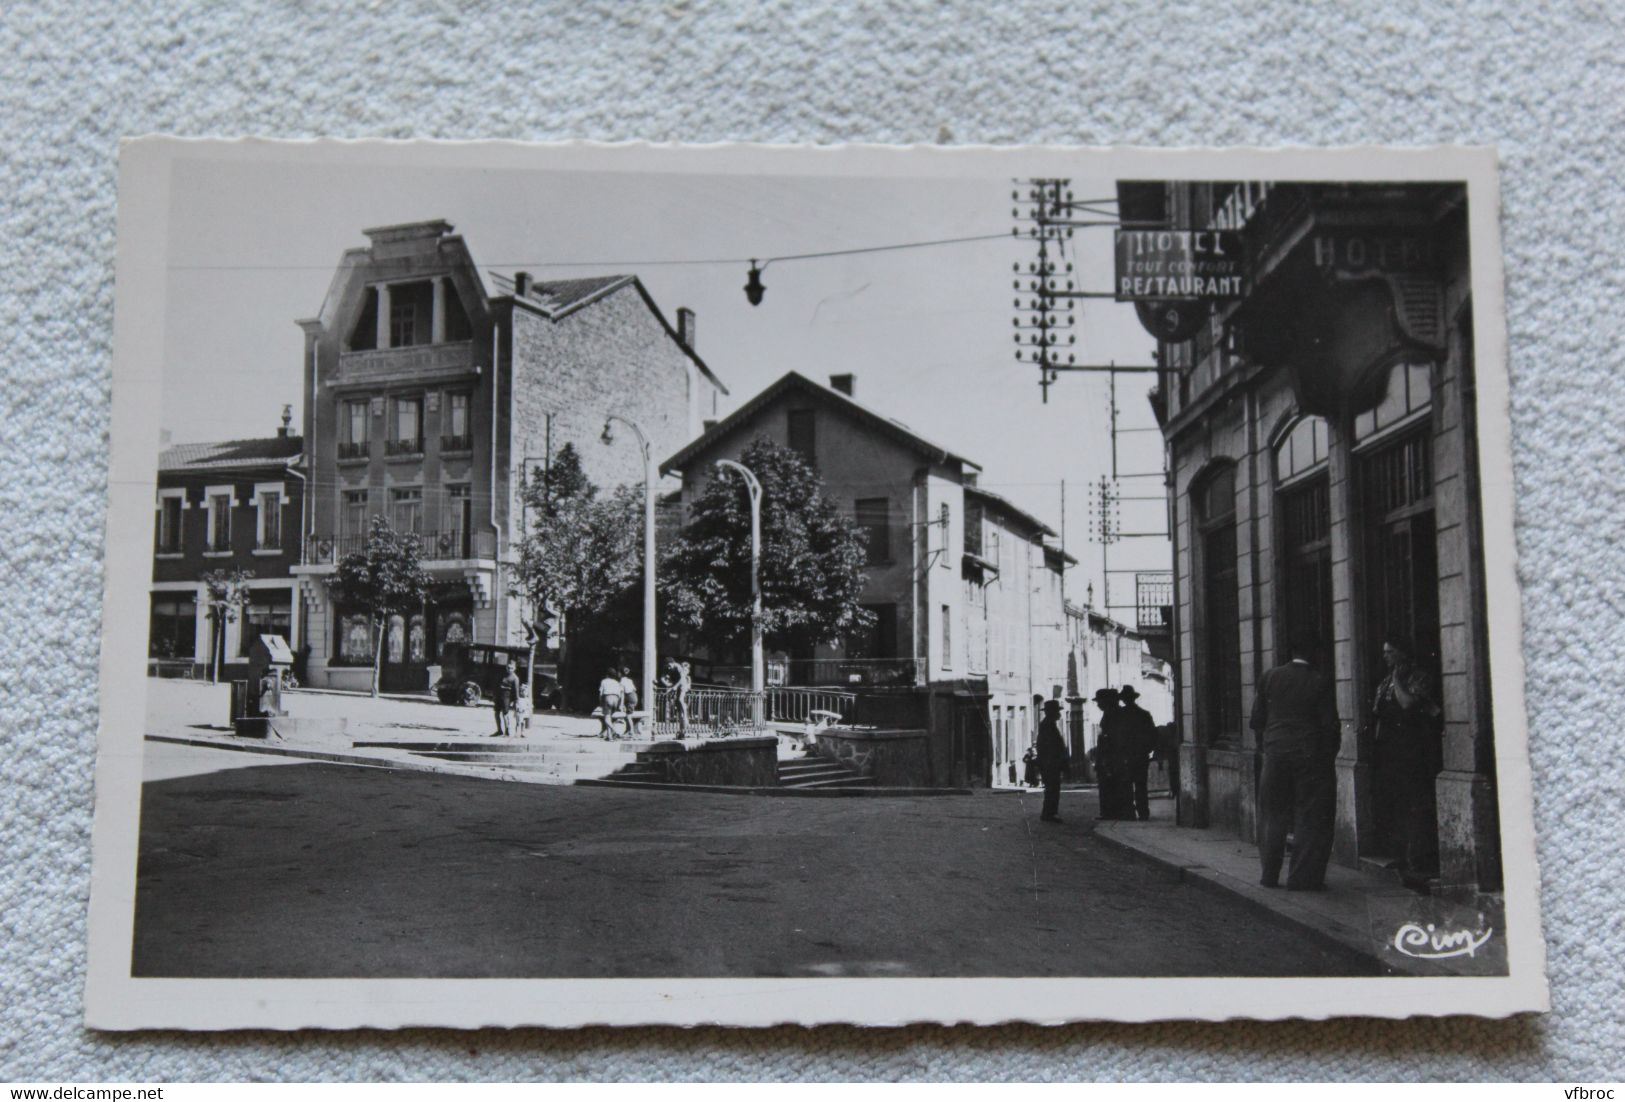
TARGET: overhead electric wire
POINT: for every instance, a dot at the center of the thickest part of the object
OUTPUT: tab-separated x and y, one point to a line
761	261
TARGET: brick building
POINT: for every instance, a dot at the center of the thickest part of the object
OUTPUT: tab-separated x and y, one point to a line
1321	436
221	506
428	398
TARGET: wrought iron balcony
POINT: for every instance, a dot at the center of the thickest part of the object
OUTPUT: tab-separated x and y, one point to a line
412	446
357	450
461	443
1153	600
443	545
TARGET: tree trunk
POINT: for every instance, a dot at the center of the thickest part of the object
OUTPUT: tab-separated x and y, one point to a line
378	653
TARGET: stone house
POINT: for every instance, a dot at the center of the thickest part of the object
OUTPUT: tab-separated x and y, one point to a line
964	587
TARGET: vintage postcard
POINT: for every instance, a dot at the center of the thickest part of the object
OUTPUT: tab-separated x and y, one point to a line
580	584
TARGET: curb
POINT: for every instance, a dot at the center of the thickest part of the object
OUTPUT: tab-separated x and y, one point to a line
1278	907
771	790
335	758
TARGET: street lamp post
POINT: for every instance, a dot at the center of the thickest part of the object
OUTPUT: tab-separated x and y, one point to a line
758	687
647	690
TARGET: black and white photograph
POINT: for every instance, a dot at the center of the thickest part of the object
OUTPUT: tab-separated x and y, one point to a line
579	584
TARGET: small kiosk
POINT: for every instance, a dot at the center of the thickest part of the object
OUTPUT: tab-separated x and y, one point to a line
269	660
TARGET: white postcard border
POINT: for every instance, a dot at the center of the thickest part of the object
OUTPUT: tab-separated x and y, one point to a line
116	1001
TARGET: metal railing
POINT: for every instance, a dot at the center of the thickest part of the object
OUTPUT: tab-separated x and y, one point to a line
358	449
413	446
462	443
709	713
790	704
1153	600
722	713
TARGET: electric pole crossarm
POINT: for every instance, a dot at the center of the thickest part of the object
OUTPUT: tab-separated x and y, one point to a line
1106	369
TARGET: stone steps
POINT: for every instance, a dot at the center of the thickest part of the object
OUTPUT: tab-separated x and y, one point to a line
505	746
820	773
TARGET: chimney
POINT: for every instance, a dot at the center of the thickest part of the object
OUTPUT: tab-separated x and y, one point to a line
845	383
287	422
521	284
685	327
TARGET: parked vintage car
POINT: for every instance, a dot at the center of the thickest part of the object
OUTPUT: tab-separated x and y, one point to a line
470	673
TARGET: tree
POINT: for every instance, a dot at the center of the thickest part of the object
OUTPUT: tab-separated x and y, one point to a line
382	579
582	551
227	598
811	567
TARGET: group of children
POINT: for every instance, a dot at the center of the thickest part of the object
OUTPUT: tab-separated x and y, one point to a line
617	693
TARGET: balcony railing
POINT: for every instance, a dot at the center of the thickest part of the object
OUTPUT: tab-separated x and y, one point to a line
435	546
1153	600
357	450
414	446
462	443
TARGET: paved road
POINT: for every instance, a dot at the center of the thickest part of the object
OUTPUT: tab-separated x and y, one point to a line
326	870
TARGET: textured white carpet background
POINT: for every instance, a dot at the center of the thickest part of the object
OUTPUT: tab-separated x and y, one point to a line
1547	87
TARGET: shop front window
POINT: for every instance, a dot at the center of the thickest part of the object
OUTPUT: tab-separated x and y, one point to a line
355	639
453	631
267	616
173	630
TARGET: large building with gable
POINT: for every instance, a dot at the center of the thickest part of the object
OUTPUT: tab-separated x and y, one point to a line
427	398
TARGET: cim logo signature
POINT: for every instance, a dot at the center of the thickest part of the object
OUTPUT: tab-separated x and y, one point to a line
1431	943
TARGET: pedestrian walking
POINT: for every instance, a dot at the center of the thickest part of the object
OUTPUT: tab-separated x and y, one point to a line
679	681
1295	716
609	701
1109	757
1029	762
1139	742
1409	756
629	700
1051	760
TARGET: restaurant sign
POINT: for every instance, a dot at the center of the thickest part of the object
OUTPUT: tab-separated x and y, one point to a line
1164	265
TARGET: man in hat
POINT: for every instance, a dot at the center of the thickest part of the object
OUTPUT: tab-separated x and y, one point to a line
1109	755
1052	760
1295	716
1139	740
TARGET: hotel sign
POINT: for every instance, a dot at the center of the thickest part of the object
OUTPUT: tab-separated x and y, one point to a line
1167	265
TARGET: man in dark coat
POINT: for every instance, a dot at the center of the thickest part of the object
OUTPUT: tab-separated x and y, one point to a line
1052	760
1139	740
1109	763
1295	716
1409	756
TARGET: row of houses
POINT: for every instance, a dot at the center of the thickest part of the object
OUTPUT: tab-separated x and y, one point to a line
429	399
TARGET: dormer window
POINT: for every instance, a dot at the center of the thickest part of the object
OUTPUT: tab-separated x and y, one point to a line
364	336
411	308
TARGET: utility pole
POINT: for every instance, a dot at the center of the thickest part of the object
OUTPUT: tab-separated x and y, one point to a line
648	686
758	686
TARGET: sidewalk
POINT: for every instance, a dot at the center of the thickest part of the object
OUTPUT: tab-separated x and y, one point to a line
393	731
1362	911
